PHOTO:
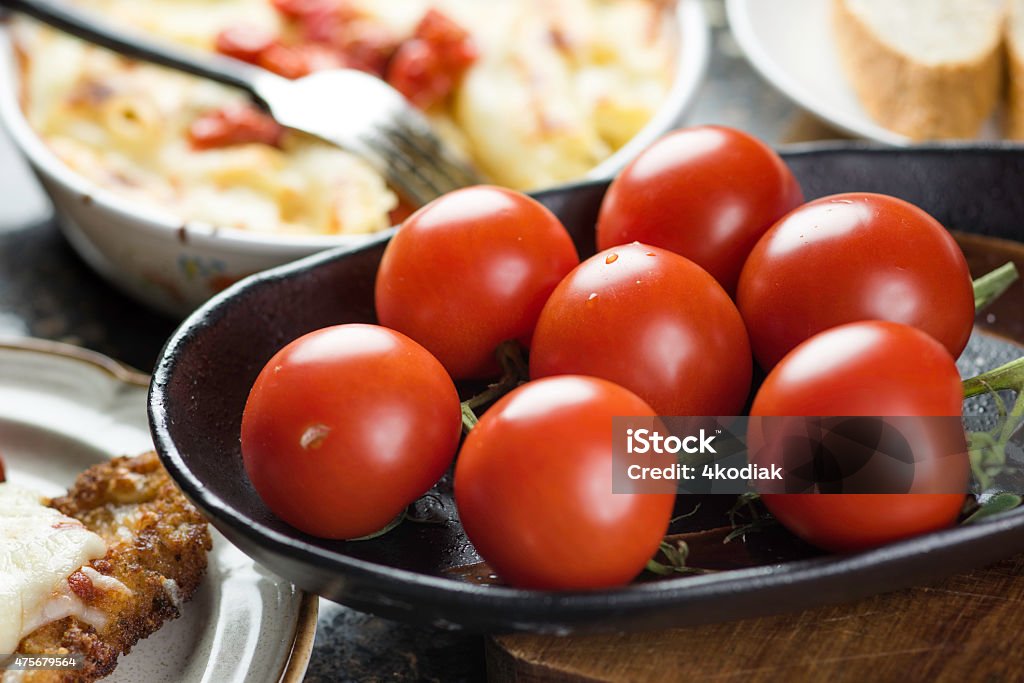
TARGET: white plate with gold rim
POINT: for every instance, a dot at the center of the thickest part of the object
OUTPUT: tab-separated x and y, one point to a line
63	409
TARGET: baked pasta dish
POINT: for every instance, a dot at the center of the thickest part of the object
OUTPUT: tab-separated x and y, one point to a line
535	92
89	574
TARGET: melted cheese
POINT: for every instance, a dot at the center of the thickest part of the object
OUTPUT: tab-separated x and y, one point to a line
39	549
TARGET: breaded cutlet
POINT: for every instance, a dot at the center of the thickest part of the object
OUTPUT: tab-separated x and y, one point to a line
156	556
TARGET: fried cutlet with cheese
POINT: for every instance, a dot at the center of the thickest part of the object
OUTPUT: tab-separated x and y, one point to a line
156	556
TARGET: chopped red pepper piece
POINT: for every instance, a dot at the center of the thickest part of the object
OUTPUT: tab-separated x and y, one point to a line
301	9
285	61
426	67
244	42
453	43
234	125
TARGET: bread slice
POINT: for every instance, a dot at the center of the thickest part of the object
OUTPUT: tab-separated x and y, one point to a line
928	69
1015	64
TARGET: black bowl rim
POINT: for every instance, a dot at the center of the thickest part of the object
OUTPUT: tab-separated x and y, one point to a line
401	582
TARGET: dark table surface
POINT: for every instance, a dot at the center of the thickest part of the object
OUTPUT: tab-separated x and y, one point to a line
46	291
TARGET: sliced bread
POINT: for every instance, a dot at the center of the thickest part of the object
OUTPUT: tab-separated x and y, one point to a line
928	69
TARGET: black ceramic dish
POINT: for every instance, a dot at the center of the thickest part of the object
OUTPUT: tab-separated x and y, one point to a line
412	573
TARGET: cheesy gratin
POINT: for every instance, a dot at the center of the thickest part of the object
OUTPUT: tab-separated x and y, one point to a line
536	92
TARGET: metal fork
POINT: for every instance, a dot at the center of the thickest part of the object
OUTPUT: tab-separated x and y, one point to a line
345	107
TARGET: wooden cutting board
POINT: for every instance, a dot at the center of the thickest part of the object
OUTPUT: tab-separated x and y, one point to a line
966	628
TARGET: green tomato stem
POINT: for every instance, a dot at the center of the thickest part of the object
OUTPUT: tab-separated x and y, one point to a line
516	371
1009	377
990	286
988	449
469	418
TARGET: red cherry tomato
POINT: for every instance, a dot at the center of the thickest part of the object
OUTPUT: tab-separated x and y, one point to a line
707	193
850	257
653	322
471	270
869	368
346	426
533	485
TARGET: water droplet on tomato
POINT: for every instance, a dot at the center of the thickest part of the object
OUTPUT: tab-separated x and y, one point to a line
593	295
611	258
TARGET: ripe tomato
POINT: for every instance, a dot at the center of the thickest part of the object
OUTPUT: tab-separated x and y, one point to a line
655	323
850	257
870	368
533	486
707	193
346	426
471	270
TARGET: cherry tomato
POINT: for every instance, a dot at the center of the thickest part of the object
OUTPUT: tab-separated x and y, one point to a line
652	321
871	368
346	426
533	486
234	125
471	270
850	257
707	193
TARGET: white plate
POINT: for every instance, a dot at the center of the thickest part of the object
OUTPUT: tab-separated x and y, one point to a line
63	409
790	43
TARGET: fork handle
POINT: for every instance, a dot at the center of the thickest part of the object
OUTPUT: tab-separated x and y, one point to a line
131	44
